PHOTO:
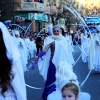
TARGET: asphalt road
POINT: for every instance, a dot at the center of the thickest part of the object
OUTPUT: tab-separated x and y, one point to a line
92	85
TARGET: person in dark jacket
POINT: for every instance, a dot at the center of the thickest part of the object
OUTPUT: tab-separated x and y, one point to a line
39	44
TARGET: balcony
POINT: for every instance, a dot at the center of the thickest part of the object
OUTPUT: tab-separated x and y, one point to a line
32	6
51	9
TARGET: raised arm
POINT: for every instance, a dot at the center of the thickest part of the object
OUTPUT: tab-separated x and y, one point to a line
46	48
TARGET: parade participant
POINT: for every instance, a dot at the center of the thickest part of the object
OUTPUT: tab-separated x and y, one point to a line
22	49
39	44
65	75
89	39
62	31
32	47
70	91
55	50
79	38
12	83
94	58
27	44
10	31
96	61
70	47
49	27
84	46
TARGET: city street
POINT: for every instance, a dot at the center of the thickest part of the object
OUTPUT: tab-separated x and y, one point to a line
30	26
92	85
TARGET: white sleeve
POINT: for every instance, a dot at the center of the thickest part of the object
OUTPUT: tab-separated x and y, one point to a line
18	83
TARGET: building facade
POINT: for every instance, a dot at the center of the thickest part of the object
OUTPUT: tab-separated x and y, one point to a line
35	12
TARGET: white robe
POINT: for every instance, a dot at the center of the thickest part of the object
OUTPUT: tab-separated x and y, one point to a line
70	49
60	54
57	95
22	50
84	46
18	83
50	31
32	49
9	95
94	53
18	90
27	43
96	61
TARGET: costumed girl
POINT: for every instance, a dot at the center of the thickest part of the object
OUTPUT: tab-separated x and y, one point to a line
70	92
94	53
65	75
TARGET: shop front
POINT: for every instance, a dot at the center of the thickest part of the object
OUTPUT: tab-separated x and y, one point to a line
37	21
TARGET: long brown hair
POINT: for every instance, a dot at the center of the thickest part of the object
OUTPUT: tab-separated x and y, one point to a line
6	74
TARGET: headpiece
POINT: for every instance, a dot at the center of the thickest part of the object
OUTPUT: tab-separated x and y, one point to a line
65	74
57	26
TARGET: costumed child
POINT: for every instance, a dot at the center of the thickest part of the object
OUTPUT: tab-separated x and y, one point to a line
70	91
64	75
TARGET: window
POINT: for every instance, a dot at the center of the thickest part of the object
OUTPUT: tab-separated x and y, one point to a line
28	0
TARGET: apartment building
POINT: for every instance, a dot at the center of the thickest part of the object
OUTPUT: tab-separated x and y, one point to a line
33	12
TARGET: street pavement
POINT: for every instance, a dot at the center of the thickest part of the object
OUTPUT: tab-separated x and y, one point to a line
35	80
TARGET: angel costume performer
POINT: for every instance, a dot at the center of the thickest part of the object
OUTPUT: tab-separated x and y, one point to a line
63	76
85	47
56	50
17	90
22	50
94	55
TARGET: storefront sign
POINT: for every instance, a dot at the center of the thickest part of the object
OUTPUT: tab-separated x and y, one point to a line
33	16
24	15
36	16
